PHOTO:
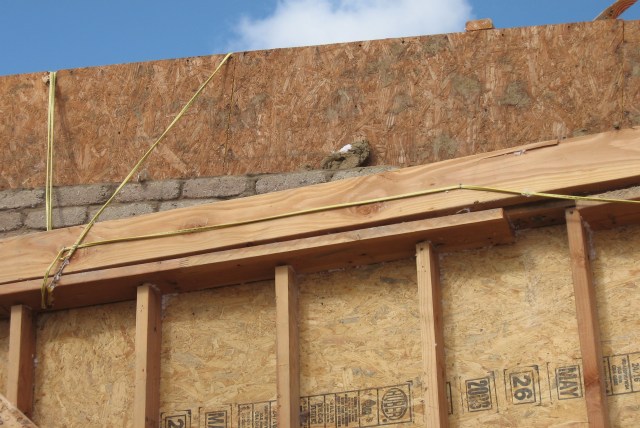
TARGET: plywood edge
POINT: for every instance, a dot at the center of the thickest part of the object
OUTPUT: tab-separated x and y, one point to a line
586	164
11	417
306	255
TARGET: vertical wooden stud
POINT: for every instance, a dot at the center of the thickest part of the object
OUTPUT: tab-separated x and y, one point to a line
287	352
146	407
431	332
588	327
22	347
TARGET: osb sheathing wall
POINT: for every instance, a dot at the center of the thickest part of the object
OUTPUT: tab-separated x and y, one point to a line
617	280
512	350
416	100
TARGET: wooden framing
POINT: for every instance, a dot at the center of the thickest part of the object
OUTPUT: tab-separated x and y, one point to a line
383	243
22	345
573	165
287	348
148	344
430	301
587	316
315	242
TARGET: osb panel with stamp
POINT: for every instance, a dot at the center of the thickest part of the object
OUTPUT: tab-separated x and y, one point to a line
416	100
85	367
617	283
218	354
511	339
360	347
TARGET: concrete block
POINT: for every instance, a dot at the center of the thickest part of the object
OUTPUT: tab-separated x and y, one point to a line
359	172
27	198
118	211
183	203
82	195
214	187
10	221
62	217
277	182
149	191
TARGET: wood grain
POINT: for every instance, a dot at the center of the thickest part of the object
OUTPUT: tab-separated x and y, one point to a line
582	164
334	251
20	372
146	403
588	327
287	347
430	301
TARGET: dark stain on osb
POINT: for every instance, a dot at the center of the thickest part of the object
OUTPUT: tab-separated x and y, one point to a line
444	147
516	95
466	86
435	44
400	103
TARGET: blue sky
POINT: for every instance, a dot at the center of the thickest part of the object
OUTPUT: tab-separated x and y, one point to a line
46	35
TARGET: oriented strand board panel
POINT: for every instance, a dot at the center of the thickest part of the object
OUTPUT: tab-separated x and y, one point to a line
617	281
107	117
416	100
511	340
425	99
360	343
4	353
85	367
219	356
631	70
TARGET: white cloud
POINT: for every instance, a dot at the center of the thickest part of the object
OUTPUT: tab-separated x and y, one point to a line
312	22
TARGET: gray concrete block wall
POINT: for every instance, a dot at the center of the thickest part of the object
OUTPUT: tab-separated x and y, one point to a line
23	211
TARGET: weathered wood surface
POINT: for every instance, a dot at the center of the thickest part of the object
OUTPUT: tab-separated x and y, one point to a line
417	100
589	163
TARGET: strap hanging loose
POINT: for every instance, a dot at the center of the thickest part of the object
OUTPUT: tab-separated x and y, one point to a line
49	175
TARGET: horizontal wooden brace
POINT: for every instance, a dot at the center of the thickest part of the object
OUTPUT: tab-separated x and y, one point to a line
583	164
338	250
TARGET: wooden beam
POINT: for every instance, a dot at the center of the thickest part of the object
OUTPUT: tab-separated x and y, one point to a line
586	164
22	347
287	344
146	406
11	417
588	324
605	215
432	334
306	255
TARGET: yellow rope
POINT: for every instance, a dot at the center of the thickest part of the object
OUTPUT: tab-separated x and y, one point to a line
49	175
47	289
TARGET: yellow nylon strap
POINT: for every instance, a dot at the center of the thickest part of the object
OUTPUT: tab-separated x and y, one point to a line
47	290
49	175
47	287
